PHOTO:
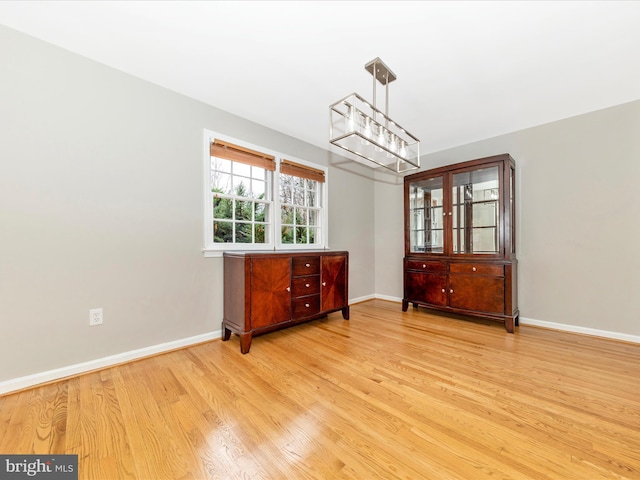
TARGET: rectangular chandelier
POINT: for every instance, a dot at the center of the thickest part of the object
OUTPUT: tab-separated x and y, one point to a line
359	127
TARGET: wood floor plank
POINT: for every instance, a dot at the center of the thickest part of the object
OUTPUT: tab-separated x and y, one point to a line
385	395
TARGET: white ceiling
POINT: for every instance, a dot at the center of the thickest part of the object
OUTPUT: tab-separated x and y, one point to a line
466	70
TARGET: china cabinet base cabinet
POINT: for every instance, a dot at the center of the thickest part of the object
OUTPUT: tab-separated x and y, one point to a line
267	291
460	252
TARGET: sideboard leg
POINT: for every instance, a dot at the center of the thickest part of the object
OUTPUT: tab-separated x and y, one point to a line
509	324
345	312
245	342
405	305
226	333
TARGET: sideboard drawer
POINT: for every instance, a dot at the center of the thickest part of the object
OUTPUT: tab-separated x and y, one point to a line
306	266
302	286
305	306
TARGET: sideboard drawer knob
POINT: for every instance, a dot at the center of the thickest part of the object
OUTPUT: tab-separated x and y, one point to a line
424	265
288	289
307	264
307	285
474	269
306	305
324	284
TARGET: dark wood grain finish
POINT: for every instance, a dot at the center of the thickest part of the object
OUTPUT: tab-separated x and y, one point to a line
477	269
267	291
270	291
334	282
306	266
234	302
424	265
305	306
480	293
426	288
301	286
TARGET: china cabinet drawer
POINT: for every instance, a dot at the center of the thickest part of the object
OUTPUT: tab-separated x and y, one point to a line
478	269
306	266
301	286
426	266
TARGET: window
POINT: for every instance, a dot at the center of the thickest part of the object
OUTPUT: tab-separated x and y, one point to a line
240	180
258	200
300	190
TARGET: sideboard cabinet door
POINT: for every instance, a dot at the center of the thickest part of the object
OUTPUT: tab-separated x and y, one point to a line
270	291
334	282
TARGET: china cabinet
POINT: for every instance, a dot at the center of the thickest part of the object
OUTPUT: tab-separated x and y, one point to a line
266	291
460	252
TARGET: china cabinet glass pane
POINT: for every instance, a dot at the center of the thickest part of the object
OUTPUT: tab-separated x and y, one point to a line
426	216
484	240
476	201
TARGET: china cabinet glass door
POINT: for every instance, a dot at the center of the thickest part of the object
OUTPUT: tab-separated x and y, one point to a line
476	211
426	214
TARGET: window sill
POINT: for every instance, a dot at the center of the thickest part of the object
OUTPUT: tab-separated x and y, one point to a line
217	253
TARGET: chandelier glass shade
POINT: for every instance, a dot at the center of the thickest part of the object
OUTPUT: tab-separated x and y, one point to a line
359	127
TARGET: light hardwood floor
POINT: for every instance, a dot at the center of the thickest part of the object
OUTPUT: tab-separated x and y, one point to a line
386	395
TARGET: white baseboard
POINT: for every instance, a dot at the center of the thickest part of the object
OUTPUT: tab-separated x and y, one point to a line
575	329
361	299
20	383
389	298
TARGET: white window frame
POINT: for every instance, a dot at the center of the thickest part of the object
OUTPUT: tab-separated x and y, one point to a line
323	233
212	249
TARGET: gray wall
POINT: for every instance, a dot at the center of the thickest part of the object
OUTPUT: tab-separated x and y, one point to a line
101	205
577	225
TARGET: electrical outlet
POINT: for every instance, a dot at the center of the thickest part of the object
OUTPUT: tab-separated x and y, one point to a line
95	317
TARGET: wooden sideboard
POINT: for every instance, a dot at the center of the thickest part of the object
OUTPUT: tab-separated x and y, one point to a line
266	291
